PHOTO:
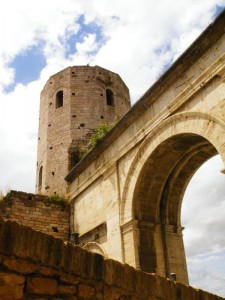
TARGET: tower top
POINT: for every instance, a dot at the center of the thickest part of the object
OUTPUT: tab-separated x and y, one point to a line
96	70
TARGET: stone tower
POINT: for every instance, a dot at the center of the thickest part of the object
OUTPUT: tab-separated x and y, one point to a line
73	103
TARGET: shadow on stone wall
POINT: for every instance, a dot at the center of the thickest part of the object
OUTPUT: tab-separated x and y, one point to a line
35	265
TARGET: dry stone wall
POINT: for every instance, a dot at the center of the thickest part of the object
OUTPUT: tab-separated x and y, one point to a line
37	212
34	265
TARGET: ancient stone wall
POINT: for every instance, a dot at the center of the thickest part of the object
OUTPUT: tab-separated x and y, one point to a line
135	179
38	212
35	265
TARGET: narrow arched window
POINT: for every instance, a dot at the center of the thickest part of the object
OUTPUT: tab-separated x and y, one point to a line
59	99
40	177
109	97
74	158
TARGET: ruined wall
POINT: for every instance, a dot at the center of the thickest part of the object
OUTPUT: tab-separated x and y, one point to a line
35	265
37	212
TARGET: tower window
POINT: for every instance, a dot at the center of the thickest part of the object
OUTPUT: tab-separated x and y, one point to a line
109	97
40	177
74	158
59	99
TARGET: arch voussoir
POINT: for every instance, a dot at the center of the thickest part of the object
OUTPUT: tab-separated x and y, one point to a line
202	124
155	184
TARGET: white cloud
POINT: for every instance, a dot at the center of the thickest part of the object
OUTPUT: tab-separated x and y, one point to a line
18	122
203	212
140	38
88	45
208	272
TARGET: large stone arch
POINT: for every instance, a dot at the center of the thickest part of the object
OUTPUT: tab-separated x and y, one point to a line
156	182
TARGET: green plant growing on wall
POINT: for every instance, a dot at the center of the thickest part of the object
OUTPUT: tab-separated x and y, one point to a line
1	196
57	199
97	136
99	133
6	194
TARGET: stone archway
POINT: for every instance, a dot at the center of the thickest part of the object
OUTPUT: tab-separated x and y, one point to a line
157	180
96	248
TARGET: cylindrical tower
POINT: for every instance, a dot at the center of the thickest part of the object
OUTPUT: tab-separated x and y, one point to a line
73	103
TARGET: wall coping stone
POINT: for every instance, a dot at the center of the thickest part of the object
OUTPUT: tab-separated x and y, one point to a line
65	259
29	197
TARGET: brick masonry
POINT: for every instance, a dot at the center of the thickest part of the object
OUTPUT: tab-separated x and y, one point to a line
88	97
34	265
37	212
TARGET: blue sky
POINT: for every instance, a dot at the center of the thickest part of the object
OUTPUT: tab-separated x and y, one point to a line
27	66
85	29
138	40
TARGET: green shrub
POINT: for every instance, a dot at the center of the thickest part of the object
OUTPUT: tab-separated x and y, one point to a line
99	133
6	194
57	199
96	137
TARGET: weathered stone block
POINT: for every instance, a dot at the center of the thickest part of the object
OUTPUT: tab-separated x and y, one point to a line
67	289
19	265
11	286
111	292
85	291
94	265
8	232
38	285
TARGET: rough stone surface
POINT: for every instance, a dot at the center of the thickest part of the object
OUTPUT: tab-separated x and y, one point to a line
37	212
38	285
11	286
63	281
86	291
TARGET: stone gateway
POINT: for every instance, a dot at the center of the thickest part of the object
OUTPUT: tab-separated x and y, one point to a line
126	194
